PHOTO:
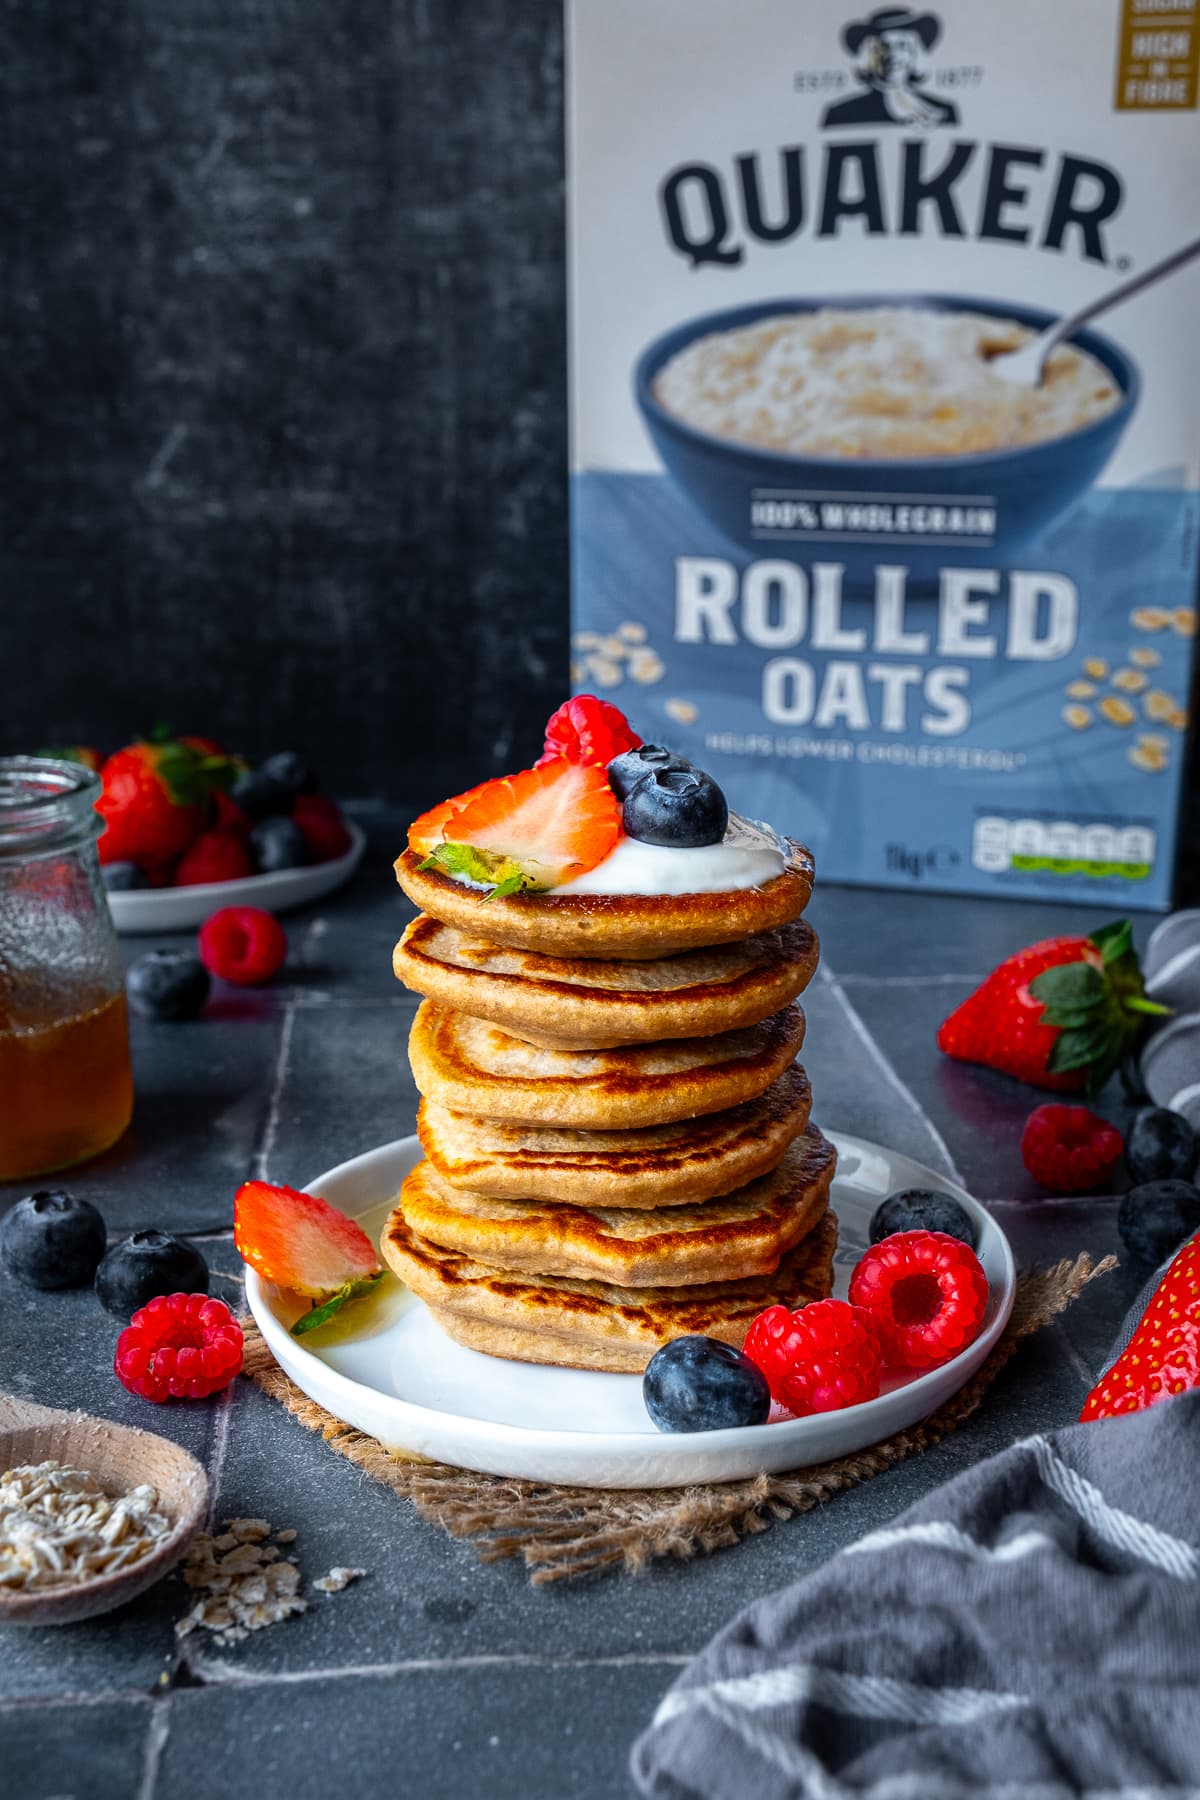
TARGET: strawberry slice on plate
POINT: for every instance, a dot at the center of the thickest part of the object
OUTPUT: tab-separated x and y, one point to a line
532	830
302	1243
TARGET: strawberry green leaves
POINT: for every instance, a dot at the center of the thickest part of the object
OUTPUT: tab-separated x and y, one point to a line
1098	1009
321	1315
499	874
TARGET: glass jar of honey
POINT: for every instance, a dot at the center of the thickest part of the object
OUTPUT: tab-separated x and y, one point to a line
66	1091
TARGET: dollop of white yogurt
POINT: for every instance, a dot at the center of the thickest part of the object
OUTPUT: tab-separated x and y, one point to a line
749	855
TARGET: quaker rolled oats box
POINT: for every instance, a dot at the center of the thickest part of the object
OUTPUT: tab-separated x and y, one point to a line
847	529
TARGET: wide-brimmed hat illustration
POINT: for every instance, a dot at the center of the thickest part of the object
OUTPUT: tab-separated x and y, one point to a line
889	47
892	18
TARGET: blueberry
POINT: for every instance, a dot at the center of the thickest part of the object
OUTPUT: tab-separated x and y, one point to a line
1156	1217
682	808
700	1384
290	770
167	984
1160	1145
122	877
146	1264
261	796
52	1240
632	766
922	1209
278	844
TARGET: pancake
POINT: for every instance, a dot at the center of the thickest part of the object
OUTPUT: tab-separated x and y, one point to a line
661	1165
592	1324
476	1068
744	1233
587	1004
620	926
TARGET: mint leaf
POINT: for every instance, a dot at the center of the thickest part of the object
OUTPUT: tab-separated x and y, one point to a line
321	1315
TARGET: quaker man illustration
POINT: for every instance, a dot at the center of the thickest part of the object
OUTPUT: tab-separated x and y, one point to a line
890	51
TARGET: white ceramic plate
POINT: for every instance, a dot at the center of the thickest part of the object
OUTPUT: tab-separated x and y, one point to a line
391	1372
185	908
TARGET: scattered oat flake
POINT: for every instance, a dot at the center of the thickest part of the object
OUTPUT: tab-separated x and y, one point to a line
337	1579
243	1581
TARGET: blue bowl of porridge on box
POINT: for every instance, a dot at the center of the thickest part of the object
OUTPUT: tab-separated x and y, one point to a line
866	430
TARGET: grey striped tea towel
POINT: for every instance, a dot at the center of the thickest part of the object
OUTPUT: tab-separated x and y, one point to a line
1029	1631
1171	1056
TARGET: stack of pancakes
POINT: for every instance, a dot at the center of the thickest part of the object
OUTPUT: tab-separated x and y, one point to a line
616	1136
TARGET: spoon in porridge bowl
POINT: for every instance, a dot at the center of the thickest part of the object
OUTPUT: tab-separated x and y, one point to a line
91	1513
1026	367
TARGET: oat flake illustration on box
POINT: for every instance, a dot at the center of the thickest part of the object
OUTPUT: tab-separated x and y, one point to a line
905	606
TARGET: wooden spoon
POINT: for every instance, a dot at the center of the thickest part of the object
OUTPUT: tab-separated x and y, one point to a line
120	1457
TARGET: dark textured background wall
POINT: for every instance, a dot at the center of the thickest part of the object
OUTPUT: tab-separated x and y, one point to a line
283	350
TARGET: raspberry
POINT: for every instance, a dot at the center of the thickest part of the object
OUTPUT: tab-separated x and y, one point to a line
1069	1150
926	1294
587	730
215	856
320	819
243	944
818	1359
179	1347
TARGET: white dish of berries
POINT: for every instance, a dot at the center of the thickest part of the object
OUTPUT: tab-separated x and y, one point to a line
383	1366
186	908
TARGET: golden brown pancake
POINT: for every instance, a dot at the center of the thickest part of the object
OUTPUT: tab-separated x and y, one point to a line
589	1004
592	1324
637	926
661	1165
475	1068
740	1234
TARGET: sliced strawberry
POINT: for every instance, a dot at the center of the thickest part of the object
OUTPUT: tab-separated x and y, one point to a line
553	822
300	1241
425	833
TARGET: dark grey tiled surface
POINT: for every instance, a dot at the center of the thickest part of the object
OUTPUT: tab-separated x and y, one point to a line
506	1732
460	1677
96	1751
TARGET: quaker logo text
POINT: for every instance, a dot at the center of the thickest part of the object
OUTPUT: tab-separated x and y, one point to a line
912	182
890	50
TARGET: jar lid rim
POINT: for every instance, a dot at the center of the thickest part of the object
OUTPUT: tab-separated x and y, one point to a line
47	806
29	782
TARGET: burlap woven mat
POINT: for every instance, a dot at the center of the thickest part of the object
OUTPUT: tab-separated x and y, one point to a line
565	1531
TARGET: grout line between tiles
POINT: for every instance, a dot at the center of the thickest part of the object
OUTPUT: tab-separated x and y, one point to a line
85	1697
1073	1356
214	1671
1039	1203
908	981
875	1051
216	1467
156	1740
262	1155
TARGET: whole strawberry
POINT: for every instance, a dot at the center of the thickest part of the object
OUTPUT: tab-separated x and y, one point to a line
1163	1355
155	799
1061	1014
